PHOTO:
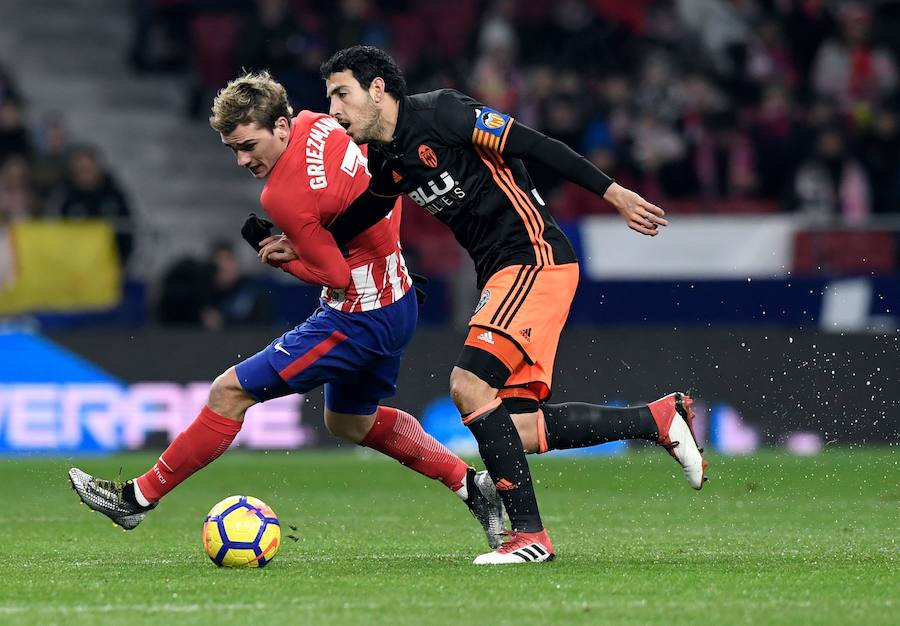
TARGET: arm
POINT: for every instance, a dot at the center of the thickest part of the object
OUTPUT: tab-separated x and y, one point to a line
524	142
362	213
370	206
319	261
467	122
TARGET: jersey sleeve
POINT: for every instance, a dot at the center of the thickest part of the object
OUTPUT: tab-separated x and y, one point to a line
319	260
462	120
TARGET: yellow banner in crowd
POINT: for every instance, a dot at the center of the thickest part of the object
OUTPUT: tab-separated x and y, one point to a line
60	266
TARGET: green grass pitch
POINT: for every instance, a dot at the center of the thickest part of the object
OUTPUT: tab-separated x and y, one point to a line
772	539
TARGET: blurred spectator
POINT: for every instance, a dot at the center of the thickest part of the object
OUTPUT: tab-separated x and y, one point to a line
850	69
50	161
90	191
769	58
353	22
725	160
8	88
775	138
18	199
661	154
831	184
573	38
723	26
213	293
809	23
14	135
496	79
160	34
267	38
880	153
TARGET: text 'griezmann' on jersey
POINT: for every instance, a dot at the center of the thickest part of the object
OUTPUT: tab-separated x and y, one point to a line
320	173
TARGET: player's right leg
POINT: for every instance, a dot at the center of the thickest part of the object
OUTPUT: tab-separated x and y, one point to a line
353	411
398	435
208	436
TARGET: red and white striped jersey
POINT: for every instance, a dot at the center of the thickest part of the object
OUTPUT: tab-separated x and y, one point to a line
320	173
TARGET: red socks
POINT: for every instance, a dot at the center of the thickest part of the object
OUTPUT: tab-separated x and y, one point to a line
394	433
400	436
202	442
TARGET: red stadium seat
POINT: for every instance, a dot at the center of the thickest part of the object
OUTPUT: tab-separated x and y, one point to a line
213	40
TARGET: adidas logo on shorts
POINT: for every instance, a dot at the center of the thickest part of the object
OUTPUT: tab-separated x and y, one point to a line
487	337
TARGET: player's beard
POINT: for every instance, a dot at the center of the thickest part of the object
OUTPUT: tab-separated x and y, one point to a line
372	127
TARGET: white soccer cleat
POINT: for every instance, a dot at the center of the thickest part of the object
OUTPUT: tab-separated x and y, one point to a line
520	548
675	421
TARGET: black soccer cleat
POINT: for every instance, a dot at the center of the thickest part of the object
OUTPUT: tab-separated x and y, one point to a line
105	496
485	505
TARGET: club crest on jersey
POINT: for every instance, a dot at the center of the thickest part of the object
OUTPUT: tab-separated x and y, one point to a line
491	121
427	156
485	296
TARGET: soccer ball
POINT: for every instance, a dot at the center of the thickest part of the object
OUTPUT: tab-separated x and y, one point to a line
241	531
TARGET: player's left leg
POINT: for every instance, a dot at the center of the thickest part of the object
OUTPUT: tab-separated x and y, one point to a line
667	422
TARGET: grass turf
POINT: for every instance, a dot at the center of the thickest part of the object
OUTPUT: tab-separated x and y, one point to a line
772	539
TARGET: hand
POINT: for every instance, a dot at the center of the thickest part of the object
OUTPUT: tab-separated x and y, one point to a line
640	215
419	283
276	250
255	229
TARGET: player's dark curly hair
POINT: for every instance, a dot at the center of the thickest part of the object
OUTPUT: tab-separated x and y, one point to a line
367	63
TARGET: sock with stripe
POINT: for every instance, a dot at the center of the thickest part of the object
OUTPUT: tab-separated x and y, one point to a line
579	424
400	436
501	449
202	442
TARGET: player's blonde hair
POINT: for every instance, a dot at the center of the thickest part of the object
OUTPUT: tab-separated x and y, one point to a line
253	97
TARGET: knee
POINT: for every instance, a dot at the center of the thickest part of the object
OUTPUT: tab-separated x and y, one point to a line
468	391
527	426
352	428
334	425
227	397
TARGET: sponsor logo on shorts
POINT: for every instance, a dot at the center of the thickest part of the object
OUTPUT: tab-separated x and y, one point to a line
280	348
485	296
506	485
427	156
486	337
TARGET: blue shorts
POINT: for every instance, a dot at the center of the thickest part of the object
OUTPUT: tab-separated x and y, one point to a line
355	355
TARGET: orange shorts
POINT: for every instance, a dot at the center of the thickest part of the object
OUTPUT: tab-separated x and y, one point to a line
523	309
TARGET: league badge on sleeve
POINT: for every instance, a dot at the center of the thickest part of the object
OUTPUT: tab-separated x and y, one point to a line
491	128
491	121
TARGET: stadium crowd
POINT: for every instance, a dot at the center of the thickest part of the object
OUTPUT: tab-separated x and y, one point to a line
705	105
712	106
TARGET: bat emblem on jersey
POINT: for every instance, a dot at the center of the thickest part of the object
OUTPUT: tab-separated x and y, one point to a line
427	156
492	120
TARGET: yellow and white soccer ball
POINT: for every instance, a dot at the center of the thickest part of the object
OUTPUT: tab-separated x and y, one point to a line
241	531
